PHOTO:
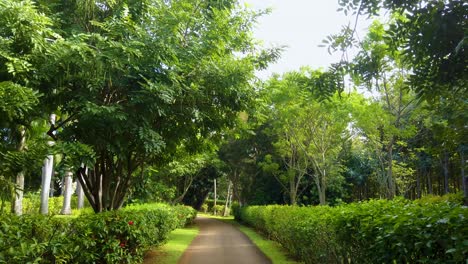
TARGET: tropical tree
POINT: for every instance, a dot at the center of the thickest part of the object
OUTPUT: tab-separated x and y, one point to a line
310	132
132	80
23	34
383	73
427	61
419	30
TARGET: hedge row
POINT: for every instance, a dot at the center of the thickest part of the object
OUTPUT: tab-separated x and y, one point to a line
112	237
32	203
378	231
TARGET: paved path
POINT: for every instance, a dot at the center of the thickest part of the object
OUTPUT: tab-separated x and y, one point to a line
221	243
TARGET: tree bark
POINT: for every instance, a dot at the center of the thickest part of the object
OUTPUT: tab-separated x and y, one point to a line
464	178
391	183
67	193
429	183
45	183
322	193
446	172
47	171
19	189
226	206
292	191
214	204
188	180
418	185
80	195
82	175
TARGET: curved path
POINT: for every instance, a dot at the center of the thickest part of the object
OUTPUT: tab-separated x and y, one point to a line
221	243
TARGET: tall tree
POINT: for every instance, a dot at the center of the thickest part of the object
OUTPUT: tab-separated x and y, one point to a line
137	78
431	35
310	132
383	72
23	34
47	173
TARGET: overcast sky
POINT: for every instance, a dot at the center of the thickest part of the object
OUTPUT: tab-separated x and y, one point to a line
301	25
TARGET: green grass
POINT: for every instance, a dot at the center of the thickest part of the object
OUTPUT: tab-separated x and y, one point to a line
270	248
179	240
171	252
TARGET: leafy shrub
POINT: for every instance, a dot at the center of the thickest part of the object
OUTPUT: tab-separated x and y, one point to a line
457	198
204	208
210	203
218	209
378	231
185	214
111	237
32	203
236	210
32	238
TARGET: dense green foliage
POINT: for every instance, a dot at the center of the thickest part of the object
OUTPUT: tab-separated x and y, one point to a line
377	231
396	128
432	37
156	100
31	203
130	83
111	237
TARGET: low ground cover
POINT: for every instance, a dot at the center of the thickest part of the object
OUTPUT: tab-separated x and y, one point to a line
377	231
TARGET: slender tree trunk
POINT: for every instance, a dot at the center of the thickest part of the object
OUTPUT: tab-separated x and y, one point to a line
19	189
80	195
236	188
418	185
319	187
429	183
47	171
464	178
322	193
67	193
187	184
322	198
45	183
52	185
214	204
292	191
446	172
226	206
391	183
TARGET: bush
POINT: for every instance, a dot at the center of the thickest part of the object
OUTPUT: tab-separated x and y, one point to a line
32	203
185	214
210	204
236	210
378	231
111	237
204	208
217	210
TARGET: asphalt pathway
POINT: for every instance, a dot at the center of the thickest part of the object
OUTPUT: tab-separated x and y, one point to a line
221	243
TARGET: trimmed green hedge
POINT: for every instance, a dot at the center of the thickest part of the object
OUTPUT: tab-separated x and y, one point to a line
112	237
208	207
378	231
32	203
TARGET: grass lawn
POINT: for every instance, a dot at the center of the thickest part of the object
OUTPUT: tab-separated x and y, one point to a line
270	248
170	252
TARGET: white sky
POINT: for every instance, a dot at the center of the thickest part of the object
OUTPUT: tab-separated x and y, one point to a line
301	25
